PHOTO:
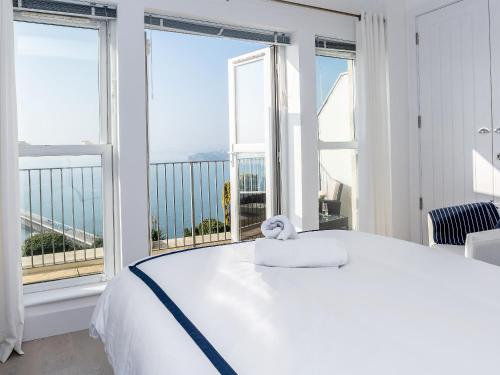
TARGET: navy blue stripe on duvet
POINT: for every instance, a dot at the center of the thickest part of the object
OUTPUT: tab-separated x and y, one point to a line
452	224
201	341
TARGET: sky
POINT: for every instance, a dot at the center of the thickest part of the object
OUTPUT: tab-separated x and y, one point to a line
57	73
188	93
328	70
57	84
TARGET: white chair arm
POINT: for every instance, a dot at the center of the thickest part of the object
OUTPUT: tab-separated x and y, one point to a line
430	226
484	246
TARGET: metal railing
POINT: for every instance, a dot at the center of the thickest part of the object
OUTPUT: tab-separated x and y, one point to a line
61	208
61	215
252	196
189	203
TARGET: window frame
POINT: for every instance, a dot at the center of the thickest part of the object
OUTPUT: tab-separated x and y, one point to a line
342	146
104	148
272	147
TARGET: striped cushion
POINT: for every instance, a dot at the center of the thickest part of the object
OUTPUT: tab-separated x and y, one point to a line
452	224
498	225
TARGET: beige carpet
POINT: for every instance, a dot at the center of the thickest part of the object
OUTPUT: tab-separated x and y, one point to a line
71	354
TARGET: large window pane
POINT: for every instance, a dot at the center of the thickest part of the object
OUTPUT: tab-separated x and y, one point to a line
61	217
57	78
66	207
334	84
190	170
250	103
338	149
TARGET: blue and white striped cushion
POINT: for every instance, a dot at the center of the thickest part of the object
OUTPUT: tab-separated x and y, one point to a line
452	224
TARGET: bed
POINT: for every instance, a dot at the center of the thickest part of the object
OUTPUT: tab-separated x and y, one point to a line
395	308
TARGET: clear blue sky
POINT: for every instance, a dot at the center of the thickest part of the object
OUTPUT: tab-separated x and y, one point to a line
57	84
189	93
328	70
57	73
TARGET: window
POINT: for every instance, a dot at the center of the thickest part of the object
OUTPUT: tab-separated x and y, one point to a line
64	147
337	139
210	105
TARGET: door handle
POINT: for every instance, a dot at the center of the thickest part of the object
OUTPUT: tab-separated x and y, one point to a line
484	131
497	131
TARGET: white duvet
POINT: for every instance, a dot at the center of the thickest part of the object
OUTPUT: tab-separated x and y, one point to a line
395	308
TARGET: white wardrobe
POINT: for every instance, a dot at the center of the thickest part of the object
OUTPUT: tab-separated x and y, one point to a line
458	55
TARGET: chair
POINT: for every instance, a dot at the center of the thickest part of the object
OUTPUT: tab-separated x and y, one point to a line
449	226
484	246
335	203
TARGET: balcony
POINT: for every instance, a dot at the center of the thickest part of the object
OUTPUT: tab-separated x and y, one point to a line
190	203
190	206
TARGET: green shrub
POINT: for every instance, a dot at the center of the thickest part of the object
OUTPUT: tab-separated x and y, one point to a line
226	202
49	242
54	242
98	242
157	234
207	226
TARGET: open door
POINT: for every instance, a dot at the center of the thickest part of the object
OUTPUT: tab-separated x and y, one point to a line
251	141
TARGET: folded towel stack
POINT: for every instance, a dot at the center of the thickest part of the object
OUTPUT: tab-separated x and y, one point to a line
300	253
275	251
278	228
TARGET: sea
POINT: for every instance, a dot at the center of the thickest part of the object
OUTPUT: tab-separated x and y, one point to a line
70	194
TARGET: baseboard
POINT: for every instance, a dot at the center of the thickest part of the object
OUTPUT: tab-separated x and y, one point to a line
56	317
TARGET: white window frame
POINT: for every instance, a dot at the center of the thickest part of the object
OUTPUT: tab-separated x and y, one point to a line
104	149
342	146
273	162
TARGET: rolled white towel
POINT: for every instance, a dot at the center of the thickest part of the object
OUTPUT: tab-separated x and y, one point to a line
279	228
300	253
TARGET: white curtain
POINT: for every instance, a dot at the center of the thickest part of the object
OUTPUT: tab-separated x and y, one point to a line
372	120
11	304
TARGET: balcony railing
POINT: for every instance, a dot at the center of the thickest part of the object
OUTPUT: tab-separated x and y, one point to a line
61	212
190	202
252	198
61	222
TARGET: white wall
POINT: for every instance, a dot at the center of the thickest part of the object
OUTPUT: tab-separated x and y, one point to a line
397	42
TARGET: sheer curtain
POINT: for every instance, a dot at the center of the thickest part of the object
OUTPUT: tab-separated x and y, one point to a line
372	120
11	305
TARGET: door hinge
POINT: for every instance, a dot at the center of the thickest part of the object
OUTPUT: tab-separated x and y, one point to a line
421	203
417	38
419	121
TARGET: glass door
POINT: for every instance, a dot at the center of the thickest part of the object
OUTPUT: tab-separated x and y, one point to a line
251	120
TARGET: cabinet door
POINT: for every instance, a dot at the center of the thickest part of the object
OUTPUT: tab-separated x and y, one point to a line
455	105
495	84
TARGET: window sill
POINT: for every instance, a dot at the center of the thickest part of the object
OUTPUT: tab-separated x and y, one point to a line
63	294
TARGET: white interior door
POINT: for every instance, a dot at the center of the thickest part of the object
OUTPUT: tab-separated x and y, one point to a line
455	105
495	84
251	121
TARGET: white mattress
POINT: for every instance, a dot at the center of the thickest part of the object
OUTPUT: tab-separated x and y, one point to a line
454	249
396	308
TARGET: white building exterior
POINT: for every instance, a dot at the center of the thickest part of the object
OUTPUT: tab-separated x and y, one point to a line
337	168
